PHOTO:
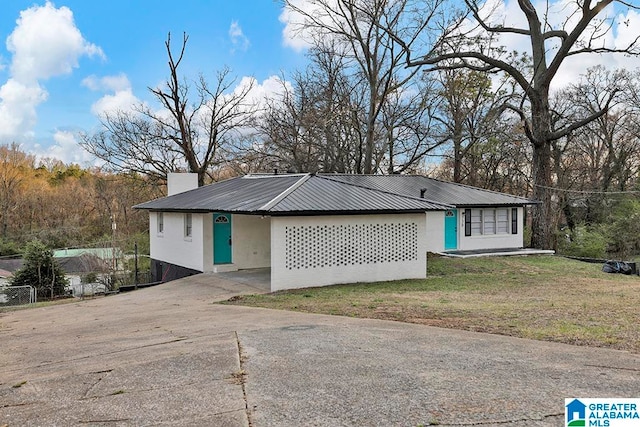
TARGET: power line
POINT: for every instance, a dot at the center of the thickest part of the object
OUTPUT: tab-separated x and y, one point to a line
566	190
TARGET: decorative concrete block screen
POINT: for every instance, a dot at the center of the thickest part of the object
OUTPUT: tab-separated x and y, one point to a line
326	250
336	245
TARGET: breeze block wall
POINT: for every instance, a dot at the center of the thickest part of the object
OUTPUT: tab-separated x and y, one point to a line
327	250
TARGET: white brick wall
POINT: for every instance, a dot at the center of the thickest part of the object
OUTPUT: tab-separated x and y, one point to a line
251	237
435	231
172	246
327	250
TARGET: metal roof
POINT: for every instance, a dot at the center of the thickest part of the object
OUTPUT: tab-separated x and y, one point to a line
437	191
305	194
291	194
322	194
242	194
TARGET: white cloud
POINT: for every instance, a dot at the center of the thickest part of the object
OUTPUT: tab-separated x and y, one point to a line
67	150
272	88
122	98
18	104
293	34
238	39
115	83
45	43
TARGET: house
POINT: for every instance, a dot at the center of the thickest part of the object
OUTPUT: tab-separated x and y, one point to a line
81	263
85	260
576	412
323	229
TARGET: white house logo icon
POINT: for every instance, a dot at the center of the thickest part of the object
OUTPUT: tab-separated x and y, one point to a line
576	413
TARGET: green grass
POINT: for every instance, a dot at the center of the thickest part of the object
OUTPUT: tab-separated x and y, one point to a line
540	297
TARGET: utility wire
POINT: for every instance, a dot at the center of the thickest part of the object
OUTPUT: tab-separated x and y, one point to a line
566	190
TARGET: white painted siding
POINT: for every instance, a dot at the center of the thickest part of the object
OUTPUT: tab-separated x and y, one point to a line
251	241
171	246
327	250
207	242
435	231
493	241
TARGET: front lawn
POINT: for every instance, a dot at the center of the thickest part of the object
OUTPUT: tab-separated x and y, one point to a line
540	297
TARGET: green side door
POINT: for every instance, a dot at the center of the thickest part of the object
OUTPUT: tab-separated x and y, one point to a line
222	239
450	229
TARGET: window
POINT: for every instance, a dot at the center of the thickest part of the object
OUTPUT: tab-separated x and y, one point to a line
476	222
160	220
490	221
502	221
188	225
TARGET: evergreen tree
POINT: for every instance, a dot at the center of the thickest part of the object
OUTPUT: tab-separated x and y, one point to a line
41	271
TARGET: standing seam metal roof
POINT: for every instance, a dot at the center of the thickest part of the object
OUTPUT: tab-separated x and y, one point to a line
290	194
437	191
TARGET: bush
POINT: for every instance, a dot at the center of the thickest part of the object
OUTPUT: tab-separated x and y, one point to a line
588	242
41	271
9	247
623	230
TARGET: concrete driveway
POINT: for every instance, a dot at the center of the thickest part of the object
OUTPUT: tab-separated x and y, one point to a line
169	356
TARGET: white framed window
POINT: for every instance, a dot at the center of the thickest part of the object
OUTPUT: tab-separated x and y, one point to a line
188	225
502	221
489	221
479	222
160	222
476	222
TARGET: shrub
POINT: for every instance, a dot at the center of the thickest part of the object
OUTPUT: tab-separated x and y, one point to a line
588	242
41	271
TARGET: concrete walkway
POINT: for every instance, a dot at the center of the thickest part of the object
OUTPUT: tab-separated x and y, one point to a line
170	356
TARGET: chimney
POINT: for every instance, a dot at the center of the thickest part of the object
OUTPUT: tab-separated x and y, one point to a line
181	182
422	192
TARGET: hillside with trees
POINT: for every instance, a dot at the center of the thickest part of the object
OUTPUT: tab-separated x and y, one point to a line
66	206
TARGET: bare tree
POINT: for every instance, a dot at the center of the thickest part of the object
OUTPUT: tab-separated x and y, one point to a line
358	28
409	127
472	42
602	156
314	125
468	112
188	132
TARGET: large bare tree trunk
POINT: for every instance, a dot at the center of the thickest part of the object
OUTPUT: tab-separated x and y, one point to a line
542	213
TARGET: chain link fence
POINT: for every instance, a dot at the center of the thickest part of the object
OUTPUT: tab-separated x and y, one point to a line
17	295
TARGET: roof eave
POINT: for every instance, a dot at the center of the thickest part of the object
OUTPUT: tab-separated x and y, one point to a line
347	212
497	205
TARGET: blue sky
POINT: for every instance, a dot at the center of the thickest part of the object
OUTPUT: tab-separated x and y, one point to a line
63	62
124	39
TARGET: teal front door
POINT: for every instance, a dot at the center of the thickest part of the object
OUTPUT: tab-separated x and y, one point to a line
222	238
450	229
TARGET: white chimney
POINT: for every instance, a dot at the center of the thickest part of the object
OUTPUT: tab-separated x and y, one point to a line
181	182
